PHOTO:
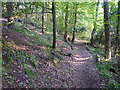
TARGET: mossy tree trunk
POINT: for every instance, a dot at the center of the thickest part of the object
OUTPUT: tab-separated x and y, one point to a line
107	31
75	20
66	23
94	29
9	6
117	49
43	19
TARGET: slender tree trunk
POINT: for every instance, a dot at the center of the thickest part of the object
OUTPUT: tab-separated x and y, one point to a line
43	20
9	6
3	9
66	23
117	32
32	9
107	31
54	24
74	32
26	16
94	29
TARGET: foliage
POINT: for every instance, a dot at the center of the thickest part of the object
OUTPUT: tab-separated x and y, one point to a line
104	68
8	54
29	73
30	24
37	39
112	84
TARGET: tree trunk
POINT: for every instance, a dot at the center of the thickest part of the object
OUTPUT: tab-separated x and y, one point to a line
3	10
117	52
107	31
66	21
94	29
9	6
54	24
74	32
43	20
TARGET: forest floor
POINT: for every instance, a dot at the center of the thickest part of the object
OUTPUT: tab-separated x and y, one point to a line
78	71
85	74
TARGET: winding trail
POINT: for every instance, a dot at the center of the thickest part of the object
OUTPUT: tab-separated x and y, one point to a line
79	72
85	74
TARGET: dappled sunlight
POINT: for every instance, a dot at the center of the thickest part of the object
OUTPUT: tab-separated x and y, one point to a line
76	63
43	47
65	48
83	58
37	32
60	45
20	47
80	59
49	32
79	55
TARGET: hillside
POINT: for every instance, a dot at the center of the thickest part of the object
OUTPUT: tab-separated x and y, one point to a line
29	61
60	45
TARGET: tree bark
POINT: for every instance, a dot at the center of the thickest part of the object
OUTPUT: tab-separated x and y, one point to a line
74	32
117	32
94	29
107	31
9	6
43	20
54	24
66	23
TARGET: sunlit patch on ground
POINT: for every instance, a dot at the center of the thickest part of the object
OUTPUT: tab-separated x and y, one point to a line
82	59
37	32
20	47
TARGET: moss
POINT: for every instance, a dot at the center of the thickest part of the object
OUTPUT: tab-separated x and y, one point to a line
29	73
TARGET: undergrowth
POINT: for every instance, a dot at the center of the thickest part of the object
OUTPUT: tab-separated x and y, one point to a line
9	56
104	67
37	39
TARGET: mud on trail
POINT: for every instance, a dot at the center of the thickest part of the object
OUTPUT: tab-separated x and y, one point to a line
76	72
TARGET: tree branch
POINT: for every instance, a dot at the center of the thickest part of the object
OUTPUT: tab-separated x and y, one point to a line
38	12
47	8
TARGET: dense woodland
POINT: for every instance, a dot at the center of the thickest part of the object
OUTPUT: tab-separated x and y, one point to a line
40	40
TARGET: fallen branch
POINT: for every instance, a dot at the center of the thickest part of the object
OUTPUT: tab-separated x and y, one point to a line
70	44
65	54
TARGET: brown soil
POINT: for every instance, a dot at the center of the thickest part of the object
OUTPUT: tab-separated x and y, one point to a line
85	74
78	71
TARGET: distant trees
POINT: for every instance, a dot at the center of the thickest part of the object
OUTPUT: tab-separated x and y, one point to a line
54	24
94	29
107	31
66	22
75	20
117	47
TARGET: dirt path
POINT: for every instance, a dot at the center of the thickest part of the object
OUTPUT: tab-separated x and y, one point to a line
84	73
79	72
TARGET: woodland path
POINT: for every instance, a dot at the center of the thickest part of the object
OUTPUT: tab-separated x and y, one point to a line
79	72
85	74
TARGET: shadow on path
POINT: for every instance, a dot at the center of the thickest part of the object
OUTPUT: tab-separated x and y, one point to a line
85	73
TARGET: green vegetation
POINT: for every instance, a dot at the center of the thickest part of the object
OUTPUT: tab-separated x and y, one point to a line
106	68
38	37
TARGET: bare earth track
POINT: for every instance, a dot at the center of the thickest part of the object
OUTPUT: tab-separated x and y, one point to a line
79	72
85	73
